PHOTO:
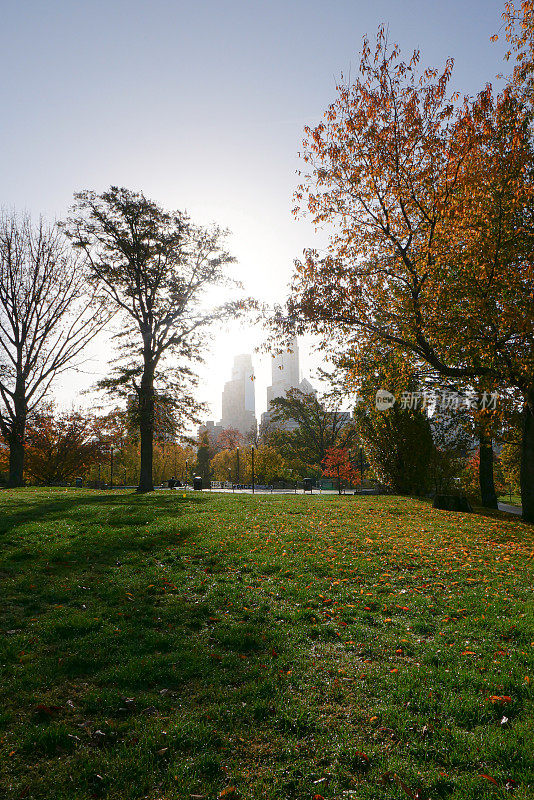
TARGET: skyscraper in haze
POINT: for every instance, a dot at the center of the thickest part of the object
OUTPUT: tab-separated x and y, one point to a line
238	397
238	402
285	375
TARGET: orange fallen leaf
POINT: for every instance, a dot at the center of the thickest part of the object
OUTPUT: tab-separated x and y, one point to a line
229	791
489	778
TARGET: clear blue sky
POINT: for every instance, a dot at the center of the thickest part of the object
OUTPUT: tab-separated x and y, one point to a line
201	104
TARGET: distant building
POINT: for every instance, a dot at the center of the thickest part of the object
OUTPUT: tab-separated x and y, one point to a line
285	372
238	397
238	401
212	429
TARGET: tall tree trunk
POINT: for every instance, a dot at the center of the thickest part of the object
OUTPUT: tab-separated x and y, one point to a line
16	454
146	429
16	435
485	473
527	461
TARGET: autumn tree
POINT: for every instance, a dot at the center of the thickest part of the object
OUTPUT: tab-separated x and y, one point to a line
4	462
305	427
269	465
117	446
406	449
60	446
117	429
399	447
458	421
155	268
430	205
170	460
519	33
228	439
223	465
510	459
48	314
337	465
204	456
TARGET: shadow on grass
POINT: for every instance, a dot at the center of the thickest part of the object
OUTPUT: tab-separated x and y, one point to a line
119	667
19	506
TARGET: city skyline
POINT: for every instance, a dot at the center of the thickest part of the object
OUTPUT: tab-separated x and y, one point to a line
239	410
226	91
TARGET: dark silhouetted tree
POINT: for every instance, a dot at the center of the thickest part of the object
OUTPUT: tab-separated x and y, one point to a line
156	268
48	314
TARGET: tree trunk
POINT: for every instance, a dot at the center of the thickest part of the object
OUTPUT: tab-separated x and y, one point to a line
16	454
146	429
527	461
485	474
16	436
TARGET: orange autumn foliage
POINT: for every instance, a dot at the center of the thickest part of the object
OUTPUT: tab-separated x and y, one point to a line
337	465
429	200
60	447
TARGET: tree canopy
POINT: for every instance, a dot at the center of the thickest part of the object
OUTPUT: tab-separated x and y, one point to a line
430	202
305	427
48	314
155	268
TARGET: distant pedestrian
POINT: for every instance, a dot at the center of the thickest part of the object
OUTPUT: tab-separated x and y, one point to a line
171	482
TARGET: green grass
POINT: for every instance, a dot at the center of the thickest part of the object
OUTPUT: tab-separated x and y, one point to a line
166	646
514	501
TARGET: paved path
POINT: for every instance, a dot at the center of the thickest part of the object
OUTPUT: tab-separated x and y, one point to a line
510	509
506	507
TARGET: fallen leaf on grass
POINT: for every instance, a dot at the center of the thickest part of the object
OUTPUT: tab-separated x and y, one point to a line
229	792
391	776
360	761
489	778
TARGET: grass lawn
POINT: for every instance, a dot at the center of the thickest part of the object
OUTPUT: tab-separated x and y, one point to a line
262	647
514	501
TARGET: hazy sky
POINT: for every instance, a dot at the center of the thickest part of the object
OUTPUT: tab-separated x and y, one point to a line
201	105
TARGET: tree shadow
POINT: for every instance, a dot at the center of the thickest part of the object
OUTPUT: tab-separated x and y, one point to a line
79	507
